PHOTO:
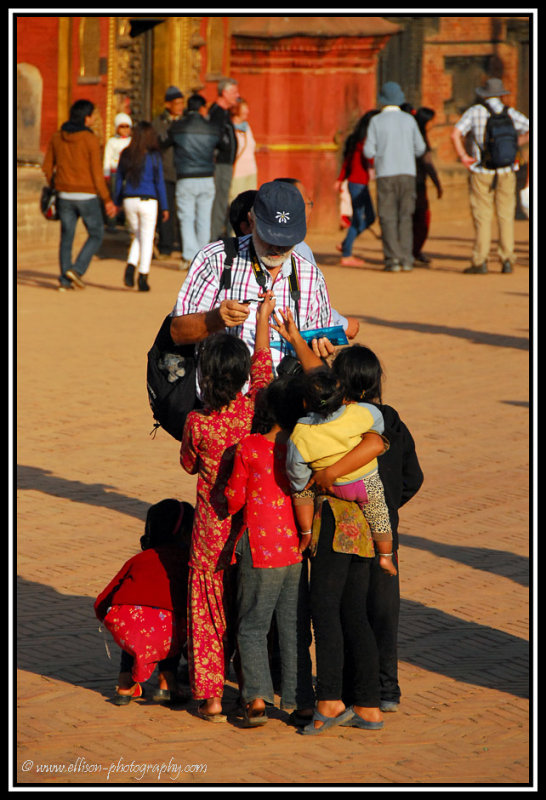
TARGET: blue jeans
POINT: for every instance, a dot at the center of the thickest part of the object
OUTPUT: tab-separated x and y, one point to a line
194	199
69	212
262	592
363	215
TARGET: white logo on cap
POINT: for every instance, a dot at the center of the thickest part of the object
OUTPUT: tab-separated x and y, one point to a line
282	216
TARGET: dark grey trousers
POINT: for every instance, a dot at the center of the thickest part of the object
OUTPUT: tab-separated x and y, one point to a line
395	206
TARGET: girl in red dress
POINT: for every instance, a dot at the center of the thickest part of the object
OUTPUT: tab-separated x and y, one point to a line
208	444
144	605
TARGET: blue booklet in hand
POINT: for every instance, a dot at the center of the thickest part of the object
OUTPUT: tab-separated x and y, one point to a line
334	333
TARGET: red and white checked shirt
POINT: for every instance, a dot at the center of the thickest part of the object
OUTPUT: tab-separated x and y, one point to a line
199	292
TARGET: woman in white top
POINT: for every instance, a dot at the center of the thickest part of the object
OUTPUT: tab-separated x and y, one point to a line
245	169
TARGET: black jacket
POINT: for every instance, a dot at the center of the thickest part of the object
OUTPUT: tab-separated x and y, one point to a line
194	139
227	147
399	467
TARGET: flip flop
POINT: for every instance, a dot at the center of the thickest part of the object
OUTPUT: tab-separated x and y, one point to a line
125	699
357	721
170	697
211	717
254	721
328	722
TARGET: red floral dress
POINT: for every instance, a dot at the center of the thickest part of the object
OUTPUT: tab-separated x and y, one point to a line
208	447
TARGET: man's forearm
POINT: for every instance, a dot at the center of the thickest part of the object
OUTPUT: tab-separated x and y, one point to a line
193	328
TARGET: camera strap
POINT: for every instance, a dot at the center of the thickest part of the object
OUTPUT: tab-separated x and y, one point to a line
293	280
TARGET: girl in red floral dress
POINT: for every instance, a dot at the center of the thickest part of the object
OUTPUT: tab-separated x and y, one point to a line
208	445
144	605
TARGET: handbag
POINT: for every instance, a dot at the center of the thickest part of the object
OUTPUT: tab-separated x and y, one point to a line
48	203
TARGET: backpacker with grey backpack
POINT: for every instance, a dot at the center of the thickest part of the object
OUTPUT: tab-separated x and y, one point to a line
171	375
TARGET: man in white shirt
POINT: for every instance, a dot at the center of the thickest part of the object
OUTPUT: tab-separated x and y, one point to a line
491	190
266	260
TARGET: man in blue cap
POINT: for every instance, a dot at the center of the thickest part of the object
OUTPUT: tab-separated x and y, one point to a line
394	142
265	260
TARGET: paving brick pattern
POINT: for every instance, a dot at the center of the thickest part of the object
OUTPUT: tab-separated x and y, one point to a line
456	353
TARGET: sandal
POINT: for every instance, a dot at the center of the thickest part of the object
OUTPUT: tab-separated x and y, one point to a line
218	717
169	697
254	720
359	722
125	699
328	722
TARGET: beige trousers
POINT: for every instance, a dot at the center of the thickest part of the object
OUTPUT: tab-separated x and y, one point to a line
484	202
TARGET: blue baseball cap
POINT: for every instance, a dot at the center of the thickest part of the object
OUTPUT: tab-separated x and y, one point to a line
279	210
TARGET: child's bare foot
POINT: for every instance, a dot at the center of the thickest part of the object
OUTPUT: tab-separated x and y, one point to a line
125	681
256	708
123	696
167	680
211	706
386	564
254	713
369	714
168	690
329	708
129	691
211	710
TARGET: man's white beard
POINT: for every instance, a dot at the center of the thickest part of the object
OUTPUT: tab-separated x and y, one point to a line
270	261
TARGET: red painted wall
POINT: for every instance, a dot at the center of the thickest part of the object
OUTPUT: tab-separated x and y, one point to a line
304	96
37	44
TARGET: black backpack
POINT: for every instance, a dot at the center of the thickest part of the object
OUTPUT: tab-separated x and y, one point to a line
500	141
171	369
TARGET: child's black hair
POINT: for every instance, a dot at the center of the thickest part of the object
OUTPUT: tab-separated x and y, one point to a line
280	403
168	522
239	208
322	392
223	368
359	372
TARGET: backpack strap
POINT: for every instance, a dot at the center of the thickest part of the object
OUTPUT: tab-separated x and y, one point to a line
293	280
231	248
259	274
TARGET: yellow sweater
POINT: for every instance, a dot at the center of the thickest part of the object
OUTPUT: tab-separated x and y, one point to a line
317	442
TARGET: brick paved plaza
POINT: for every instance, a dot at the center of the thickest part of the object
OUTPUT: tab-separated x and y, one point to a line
456	353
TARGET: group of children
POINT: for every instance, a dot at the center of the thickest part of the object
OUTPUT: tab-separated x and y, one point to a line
213	582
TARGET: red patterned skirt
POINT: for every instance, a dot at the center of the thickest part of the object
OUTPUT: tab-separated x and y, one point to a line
148	634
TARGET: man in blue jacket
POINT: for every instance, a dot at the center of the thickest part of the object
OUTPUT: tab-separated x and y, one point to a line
194	139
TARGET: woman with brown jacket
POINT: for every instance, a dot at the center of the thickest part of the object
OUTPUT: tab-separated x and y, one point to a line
73	164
